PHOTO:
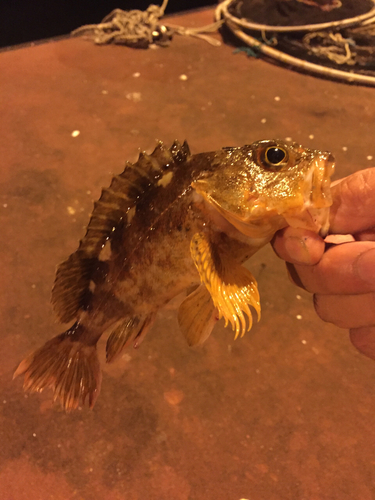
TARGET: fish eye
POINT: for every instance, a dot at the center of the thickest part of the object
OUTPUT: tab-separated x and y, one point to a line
275	156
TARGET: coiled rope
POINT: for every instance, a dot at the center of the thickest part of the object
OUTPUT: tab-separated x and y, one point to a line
237	27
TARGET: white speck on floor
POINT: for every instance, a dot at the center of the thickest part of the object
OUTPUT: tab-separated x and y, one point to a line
299	316
134	96
344	148
369	157
183	77
75	133
136	75
311	136
71	210
304	342
263	120
277	98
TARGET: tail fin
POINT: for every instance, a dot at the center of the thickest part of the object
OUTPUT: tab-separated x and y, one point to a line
67	365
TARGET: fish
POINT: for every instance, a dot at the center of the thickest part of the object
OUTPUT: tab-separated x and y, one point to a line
174	223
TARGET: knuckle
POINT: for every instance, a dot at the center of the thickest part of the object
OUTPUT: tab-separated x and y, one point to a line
359	188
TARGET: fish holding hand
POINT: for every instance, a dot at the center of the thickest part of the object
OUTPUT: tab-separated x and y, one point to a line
174	222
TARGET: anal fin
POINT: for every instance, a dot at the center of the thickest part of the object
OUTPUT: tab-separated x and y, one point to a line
231	286
197	316
130	330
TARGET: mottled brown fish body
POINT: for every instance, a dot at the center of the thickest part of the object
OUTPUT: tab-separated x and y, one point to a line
173	222
158	267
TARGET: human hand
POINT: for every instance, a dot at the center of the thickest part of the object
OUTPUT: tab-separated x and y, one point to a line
341	276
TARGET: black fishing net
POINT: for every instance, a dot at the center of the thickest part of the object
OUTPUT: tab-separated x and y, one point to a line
299	12
348	48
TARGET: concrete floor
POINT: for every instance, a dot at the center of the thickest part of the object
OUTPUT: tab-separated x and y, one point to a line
285	413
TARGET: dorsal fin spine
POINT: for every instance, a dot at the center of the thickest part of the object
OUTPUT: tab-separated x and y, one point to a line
180	153
117	194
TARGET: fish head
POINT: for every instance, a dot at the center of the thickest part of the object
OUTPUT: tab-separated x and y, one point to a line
268	185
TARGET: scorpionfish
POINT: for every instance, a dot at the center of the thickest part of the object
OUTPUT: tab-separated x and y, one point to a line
174	223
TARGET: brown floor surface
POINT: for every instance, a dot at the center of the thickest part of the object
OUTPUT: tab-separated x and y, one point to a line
285	413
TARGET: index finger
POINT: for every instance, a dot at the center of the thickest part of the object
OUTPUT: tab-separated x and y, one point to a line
353	208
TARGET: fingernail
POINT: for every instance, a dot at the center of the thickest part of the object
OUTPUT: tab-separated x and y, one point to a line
297	249
365	266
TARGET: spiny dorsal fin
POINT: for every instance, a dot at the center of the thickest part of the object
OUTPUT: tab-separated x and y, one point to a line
122	195
71	288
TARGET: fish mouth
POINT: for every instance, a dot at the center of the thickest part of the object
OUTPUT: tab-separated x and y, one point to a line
317	198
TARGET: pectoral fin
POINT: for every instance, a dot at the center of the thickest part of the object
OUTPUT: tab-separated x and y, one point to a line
231	286
197	316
